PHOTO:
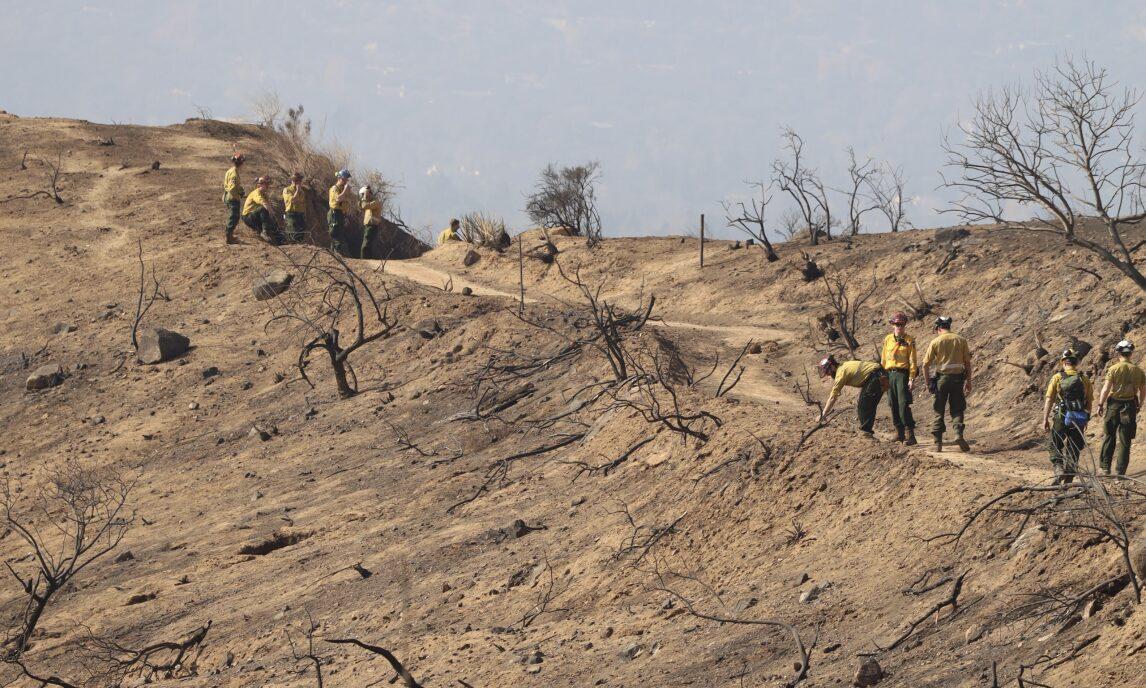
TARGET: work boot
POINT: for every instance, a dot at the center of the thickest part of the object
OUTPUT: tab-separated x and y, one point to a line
910	441
962	443
938	443
900	433
231	239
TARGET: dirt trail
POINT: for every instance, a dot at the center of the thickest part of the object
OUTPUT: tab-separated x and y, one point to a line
755	383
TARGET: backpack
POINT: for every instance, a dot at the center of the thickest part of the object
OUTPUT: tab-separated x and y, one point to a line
1072	399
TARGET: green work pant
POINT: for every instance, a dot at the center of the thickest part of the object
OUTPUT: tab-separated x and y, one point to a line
296	227
368	234
233	208
1065	444
336	223
899	399
260	221
1121	422
868	402
949	395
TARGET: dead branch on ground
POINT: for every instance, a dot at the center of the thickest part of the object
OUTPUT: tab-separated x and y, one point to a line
721	390
642	538
604	468
400	671
952	600
161	660
497	473
545	597
54	170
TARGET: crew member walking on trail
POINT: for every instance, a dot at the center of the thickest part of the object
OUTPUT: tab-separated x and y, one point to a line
371	207
294	205
1125	389
869	377
947	366
339	199
1070	396
257	214
450	233
899	359
233	195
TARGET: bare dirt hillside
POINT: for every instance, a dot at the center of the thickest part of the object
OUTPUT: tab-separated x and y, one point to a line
515	517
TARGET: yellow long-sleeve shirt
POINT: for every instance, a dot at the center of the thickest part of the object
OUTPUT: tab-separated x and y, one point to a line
948	353
853	374
336	200
232	186
1056	381
896	356
294	199
447	234
371	211
1125	379
255	200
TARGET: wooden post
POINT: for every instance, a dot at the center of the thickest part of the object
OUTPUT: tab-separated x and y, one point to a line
702	240
521	274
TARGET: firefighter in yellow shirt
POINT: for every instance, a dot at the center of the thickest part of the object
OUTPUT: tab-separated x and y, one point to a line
450	233
257	212
1125	390
869	377
294	209
949	358
233	195
899	359
339	199
1069	396
371	207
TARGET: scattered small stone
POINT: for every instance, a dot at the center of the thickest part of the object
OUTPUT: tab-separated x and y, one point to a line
973	633
279	377
126	556
578	501
258	496
755	348
246	384
868	674
745	604
193	406
155	165
210	372
259	433
98	420
607	633
471	257
140	598
64	328
45	376
800	580
632	651
466	291
535	657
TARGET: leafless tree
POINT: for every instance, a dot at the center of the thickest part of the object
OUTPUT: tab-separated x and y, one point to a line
791	224
1064	148
846	303
76	516
886	189
147	295
400	670
862	175
306	653
268	107
327	299
804	186
749	217
567	197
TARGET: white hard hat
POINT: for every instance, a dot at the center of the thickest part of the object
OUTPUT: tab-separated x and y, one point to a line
1124	347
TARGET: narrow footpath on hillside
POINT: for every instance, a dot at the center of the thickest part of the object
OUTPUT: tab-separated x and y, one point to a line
751	387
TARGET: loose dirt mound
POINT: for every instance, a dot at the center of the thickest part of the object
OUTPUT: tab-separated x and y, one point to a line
518	519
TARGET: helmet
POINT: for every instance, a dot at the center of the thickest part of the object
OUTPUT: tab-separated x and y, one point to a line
943	321
343	174
263	180
364	190
1069	355
238	158
828	365
1124	347
900	318
296	177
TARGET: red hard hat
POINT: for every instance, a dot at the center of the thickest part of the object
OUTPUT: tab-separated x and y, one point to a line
900	318
237	157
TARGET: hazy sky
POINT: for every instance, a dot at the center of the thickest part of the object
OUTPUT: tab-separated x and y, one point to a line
463	102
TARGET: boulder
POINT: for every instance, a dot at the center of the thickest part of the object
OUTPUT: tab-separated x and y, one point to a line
471	257
950	234
157	345
272	285
868	674
45	376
